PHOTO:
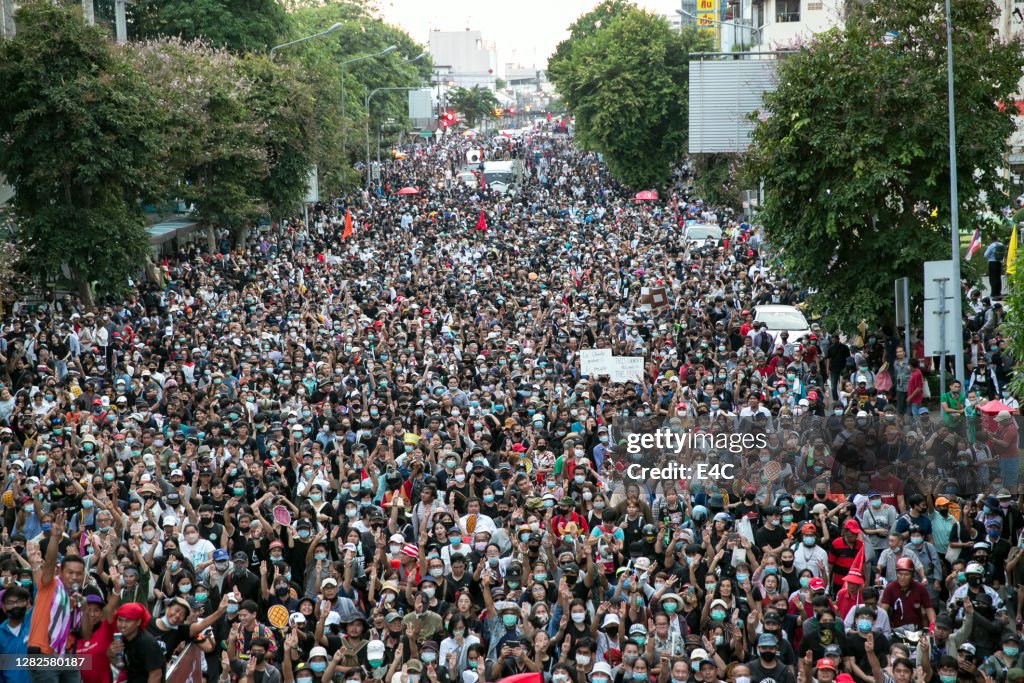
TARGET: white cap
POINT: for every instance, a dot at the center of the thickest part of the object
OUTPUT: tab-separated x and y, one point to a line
610	620
602	668
375	649
318	651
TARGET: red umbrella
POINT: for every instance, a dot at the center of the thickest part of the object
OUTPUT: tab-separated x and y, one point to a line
408	190
646	196
993	407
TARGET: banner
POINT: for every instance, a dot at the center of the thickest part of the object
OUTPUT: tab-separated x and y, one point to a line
188	668
626	368
595	362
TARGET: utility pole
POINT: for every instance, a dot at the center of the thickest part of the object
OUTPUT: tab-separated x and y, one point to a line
89	10
7	19
120	21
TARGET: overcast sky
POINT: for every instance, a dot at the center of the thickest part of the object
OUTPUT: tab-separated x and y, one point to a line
524	31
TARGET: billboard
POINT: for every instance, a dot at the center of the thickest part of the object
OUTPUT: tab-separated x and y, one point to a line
708	20
723	94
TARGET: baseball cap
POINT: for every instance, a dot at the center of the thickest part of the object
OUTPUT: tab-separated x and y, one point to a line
825	663
767	640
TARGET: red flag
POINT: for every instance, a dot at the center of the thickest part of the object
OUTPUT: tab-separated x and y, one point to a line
347	232
523	678
481	223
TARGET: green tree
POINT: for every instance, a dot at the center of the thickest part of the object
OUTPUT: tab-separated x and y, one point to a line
624	74
215	146
474	103
285	103
717	179
362	33
852	148
80	127
236	25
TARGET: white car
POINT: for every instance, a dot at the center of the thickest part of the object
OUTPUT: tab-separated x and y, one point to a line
698	234
782	318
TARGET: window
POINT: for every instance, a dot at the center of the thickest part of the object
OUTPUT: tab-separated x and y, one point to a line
787	10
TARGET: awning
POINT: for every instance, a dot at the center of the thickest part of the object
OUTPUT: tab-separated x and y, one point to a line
168	230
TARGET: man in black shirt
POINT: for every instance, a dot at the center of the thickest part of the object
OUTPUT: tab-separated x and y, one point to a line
767	668
142	658
773	536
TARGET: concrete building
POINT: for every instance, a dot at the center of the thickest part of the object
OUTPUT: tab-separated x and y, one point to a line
467	59
774	24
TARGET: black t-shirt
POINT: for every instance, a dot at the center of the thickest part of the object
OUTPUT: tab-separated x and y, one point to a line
168	641
779	674
772	538
142	654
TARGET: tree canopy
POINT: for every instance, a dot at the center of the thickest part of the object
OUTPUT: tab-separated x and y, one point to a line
236	25
852	148
474	103
623	75
81	128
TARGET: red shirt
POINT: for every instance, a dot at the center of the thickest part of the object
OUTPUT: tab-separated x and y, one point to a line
907	607
915	382
95	646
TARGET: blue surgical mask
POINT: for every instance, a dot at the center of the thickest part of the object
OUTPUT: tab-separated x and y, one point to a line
864	625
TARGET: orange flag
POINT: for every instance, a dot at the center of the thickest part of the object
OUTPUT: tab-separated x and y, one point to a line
347	232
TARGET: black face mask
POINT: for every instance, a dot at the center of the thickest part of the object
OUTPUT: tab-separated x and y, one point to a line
281	591
768	656
974	580
17	613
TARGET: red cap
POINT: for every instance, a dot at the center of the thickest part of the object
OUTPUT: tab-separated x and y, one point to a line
855	577
812	395
817	584
808	528
825	663
852	526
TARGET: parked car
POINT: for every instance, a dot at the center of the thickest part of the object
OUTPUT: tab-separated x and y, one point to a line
781	318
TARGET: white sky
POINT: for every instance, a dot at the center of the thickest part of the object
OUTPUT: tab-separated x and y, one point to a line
525	32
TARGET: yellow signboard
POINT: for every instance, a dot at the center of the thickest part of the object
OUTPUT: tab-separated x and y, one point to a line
708	19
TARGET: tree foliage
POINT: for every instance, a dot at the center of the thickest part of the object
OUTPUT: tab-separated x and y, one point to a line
80	144
215	143
474	103
717	179
624	74
236	25
363	32
852	148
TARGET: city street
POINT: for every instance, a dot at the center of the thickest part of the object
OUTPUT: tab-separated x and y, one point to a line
533	399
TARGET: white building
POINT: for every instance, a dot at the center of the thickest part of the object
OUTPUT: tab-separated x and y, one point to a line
775	24
465	58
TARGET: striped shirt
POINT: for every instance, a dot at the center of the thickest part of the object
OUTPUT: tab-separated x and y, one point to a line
52	619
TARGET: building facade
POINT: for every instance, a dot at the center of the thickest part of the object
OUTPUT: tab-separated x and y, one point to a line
466	58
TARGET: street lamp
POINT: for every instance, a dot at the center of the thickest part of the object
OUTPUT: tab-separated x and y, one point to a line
954	214
369	96
334	27
344	121
753	29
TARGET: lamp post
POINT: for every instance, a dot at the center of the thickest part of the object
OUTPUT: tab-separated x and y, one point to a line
366	104
753	29
331	29
344	121
954	214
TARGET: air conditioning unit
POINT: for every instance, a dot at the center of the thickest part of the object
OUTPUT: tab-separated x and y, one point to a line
475	156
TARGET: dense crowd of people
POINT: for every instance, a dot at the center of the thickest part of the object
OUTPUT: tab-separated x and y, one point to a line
375	457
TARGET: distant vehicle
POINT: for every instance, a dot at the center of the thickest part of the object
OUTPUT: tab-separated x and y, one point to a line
503	176
467	178
779	318
699	234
